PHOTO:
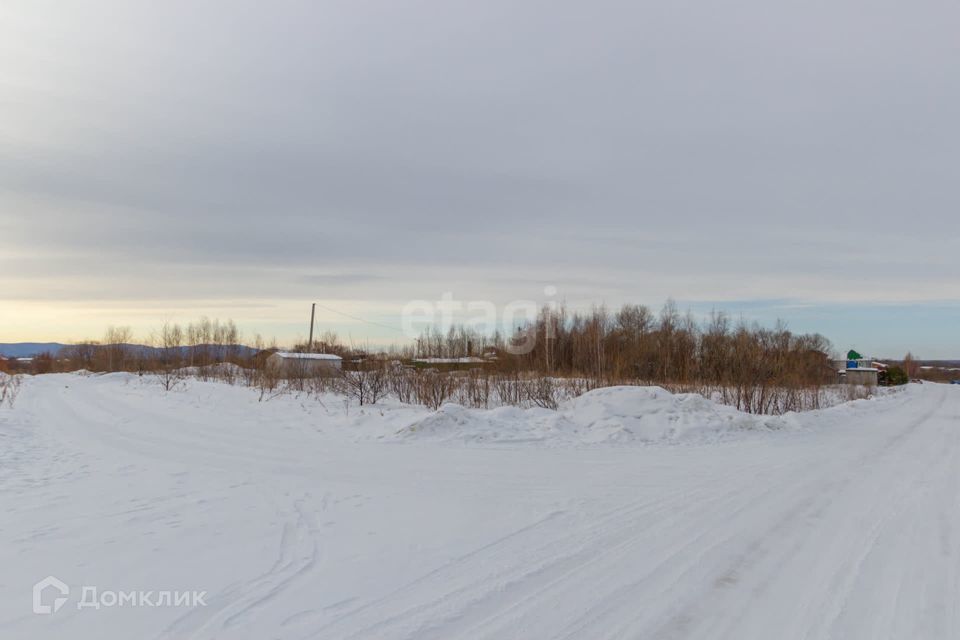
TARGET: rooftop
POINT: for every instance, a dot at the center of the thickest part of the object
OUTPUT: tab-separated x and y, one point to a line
307	356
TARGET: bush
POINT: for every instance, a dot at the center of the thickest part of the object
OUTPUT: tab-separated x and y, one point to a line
897	376
9	387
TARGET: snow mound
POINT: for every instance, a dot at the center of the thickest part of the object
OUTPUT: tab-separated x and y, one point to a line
608	415
651	413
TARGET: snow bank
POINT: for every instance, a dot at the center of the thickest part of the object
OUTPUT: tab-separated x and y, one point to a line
295	528
652	414
608	415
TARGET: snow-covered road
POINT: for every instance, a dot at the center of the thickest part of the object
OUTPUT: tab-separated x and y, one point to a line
301	521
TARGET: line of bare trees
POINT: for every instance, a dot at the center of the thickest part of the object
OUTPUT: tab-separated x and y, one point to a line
756	369
197	346
563	354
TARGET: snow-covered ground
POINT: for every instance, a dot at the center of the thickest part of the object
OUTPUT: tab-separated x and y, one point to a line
628	513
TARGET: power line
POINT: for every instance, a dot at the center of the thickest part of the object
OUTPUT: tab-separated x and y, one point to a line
359	319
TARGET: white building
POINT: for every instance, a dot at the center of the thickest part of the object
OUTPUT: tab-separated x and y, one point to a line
866	376
293	364
862	371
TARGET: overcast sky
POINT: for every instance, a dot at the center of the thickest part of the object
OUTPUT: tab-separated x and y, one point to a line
242	159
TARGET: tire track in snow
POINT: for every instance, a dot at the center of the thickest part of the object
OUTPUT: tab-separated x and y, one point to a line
297	557
545	562
665	563
768	553
626	596
495	598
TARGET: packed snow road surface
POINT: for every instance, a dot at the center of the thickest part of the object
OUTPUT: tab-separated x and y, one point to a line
308	520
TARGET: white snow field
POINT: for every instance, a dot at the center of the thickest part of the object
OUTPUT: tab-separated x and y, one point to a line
629	513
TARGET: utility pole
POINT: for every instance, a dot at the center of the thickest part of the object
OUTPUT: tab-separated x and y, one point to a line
313	310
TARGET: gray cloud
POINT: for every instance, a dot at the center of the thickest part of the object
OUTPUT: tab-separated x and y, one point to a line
395	149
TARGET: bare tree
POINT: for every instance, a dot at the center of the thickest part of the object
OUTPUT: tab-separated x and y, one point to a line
115	352
169	344
9	388
911	366
434	388
367	383
402	382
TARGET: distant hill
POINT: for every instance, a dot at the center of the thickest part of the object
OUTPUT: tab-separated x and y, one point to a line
32	349
28	349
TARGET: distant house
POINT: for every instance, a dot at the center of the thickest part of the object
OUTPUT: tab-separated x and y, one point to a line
291	364
866	376
464	360
859	370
